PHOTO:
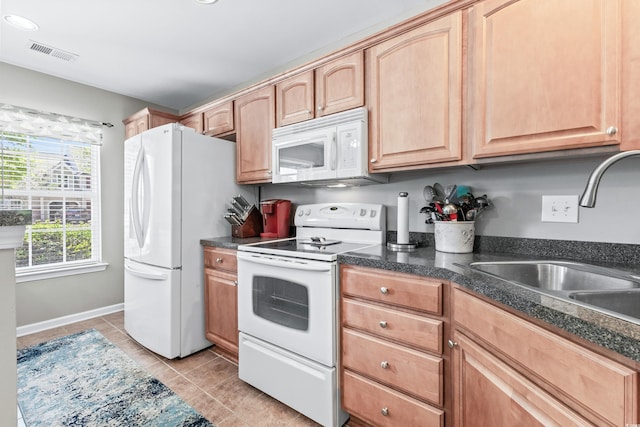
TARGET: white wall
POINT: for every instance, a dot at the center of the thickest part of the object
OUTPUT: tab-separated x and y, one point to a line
8	363
48	299
516	191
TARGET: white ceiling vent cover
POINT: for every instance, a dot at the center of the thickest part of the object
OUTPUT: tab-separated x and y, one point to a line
52	51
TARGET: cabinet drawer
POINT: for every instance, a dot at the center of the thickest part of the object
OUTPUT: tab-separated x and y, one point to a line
577	371
371	401
220	259
399	289
413	330
399	367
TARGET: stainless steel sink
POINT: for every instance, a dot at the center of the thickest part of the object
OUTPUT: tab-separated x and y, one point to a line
622	302
558	275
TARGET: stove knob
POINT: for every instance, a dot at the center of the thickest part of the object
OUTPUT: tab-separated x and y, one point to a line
300	212
307	212
363	212
373	213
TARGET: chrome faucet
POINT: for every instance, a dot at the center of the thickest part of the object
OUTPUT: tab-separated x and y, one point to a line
588	199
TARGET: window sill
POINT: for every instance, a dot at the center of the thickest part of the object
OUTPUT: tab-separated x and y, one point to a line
29	276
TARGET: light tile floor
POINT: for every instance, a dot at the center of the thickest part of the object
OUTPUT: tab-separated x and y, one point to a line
205	380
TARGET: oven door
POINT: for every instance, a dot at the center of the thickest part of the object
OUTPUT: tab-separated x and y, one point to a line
306	156
290	303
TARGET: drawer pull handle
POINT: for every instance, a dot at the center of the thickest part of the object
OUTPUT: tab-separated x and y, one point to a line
384	411
384	364
219	260
452	344
384	290
383	324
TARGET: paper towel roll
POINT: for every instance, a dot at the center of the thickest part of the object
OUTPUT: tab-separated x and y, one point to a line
403	218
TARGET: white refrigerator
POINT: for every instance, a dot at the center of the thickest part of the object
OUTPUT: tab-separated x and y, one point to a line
177	187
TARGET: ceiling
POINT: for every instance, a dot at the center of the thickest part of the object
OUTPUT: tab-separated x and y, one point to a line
179	53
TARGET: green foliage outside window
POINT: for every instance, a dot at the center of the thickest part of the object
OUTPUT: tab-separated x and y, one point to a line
48	244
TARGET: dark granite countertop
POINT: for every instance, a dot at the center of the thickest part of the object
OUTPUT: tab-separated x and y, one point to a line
617	334
230	242
598	327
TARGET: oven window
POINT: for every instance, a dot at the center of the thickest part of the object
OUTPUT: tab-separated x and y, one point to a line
282	302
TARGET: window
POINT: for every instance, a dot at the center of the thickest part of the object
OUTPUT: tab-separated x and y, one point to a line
57	178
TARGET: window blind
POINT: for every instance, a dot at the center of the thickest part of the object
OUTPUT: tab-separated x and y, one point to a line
59	181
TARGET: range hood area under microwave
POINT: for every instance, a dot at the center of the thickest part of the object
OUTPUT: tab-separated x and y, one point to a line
327	151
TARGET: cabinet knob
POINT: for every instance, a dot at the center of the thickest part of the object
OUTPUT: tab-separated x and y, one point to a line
269	172
611	130
384	411
384	364
383	324
319	107
452	344
384	290
373	160
219	260
235	283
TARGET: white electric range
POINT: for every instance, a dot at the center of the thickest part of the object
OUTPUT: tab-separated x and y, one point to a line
288	293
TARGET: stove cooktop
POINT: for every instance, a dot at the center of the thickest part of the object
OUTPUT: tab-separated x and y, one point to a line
304	248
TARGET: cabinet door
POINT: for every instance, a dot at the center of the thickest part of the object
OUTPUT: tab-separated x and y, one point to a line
219	119
221	309
294	99
255	120
340	84
630	75
414	96
490	393
544	75
193	121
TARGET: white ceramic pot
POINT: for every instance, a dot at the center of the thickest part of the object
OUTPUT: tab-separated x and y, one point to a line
454	236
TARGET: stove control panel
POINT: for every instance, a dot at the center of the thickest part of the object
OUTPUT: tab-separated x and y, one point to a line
364	216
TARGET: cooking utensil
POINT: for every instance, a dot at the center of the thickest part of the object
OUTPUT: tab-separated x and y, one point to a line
452	193
439	189
239	209
428	193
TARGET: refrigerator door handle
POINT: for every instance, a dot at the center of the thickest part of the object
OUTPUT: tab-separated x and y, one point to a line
146	189
135	197
145	274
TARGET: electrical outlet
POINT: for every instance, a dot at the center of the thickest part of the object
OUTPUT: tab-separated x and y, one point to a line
560	208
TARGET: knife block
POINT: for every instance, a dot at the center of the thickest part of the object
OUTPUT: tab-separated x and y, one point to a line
251	227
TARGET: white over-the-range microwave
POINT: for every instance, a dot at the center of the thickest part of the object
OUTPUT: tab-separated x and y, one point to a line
331	150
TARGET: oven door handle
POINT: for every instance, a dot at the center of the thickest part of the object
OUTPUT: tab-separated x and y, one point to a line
279	262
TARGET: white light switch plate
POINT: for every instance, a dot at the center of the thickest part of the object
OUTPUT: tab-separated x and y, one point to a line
560	208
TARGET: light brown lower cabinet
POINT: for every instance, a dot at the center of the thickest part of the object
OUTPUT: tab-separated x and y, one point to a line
510	372
419	351
392	364
221	299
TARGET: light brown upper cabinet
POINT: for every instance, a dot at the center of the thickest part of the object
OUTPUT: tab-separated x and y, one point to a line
294	99
544	75
630	75
255	120
340	84
193	121
414	95
335	86
218	119
145	119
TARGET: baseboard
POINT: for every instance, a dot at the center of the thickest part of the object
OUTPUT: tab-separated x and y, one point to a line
65	320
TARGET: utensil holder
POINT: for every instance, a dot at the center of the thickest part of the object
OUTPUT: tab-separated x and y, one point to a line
251	227
454	236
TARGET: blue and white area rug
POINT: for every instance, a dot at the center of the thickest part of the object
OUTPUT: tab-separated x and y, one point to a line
85	380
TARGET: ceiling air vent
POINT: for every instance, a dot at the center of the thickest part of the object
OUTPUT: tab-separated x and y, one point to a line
52	51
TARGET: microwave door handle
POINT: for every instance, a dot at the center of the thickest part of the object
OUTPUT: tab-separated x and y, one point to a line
334	152
294	265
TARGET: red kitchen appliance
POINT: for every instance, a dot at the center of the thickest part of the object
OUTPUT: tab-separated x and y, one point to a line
275	217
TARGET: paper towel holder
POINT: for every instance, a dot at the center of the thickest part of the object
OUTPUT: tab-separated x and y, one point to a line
409	245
